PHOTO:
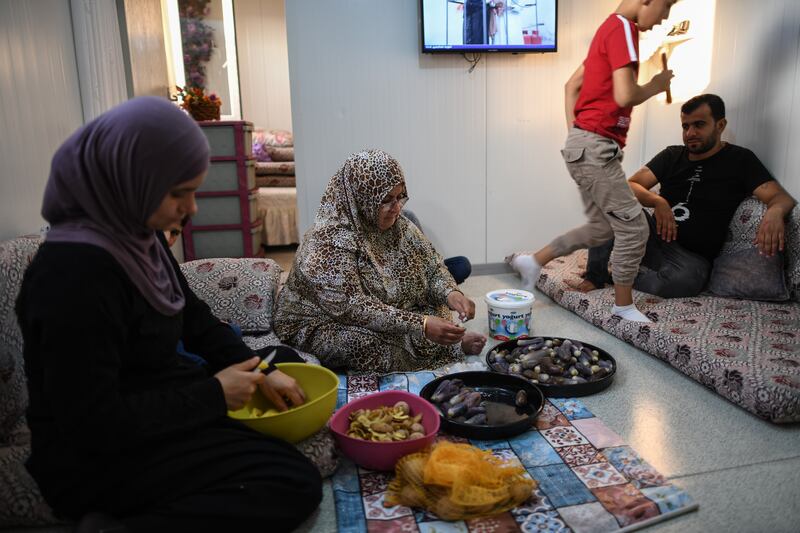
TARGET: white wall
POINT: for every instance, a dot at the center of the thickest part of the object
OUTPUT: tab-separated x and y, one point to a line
755	68
41	105
263	63
481	150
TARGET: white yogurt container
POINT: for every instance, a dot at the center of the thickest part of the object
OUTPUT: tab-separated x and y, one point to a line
509	313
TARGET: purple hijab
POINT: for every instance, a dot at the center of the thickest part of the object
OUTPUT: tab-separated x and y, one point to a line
112	174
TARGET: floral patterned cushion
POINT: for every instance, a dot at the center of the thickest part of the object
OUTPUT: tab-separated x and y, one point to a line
237	290
742	231
15	256
792	253
746	351
276	181
748	275
761	278
275	168
259	147
281	153
744	225
321	449
279	138
21	502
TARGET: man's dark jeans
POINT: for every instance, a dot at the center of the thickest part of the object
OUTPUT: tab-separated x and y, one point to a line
668	269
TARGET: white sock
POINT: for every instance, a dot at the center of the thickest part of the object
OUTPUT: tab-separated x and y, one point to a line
629	312
528	269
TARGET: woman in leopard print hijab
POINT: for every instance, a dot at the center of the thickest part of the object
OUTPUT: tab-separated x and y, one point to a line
367	290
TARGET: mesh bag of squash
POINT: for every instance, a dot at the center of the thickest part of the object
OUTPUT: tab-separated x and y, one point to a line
458	481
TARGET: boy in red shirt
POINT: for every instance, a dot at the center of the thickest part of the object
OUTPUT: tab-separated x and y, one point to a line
599	98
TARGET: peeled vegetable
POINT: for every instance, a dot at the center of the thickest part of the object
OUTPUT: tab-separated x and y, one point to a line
385	424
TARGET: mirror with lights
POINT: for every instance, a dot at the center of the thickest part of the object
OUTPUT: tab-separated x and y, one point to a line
202	44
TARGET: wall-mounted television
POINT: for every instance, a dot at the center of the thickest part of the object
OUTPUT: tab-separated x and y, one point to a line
464	26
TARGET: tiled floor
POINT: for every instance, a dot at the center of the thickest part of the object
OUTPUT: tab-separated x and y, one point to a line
744	472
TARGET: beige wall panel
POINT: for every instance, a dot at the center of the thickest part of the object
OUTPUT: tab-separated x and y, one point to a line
358	81
148	59
41	104
263	63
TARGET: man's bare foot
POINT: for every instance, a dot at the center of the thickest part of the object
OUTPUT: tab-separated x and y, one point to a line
472	343
584	285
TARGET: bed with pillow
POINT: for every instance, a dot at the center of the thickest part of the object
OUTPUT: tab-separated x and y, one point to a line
274	153
275	179
740	338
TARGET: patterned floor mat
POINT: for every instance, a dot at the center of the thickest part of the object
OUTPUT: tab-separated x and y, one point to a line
589	480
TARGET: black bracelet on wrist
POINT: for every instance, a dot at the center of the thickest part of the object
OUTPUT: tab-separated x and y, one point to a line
268	369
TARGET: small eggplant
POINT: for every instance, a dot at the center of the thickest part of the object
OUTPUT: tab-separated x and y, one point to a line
536	355
458	398
531	364
444	391
604	363
521	399
479	419
584	369
457	410
502	366
472	411
533	341
472	399
553	370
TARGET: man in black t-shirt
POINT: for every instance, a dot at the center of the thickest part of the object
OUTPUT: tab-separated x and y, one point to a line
702	184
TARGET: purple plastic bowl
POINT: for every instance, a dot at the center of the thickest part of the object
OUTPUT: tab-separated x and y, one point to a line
384	455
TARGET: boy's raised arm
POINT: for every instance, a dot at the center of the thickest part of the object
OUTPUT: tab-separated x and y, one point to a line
628	93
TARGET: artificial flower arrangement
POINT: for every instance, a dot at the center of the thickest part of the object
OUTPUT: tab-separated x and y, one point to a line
198	104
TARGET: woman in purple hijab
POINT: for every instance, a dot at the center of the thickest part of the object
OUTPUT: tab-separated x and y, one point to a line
121	425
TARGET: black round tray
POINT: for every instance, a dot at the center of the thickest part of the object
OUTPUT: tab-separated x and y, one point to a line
561	391
501	388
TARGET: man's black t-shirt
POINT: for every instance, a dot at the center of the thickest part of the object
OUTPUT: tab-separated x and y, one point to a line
704	194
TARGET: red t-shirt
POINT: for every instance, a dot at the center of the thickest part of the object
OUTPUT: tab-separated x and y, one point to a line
615	45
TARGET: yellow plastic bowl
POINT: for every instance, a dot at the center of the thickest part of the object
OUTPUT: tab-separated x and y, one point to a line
298	423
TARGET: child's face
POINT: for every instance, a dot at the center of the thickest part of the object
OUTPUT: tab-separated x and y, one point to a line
652	13
172	236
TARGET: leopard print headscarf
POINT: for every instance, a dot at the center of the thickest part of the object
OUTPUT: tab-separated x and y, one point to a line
348	214
352	282
358	188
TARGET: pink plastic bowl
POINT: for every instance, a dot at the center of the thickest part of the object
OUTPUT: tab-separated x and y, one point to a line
384	455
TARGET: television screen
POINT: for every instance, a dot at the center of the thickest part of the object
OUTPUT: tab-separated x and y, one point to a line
489	25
